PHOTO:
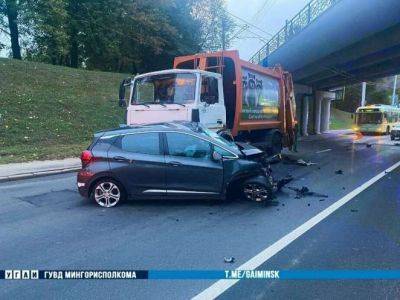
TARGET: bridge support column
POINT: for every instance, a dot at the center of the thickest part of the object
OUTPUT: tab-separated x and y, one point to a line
326	99
304	116
317	112
303	94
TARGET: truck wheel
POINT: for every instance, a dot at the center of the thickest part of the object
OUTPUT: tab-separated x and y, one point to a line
276	144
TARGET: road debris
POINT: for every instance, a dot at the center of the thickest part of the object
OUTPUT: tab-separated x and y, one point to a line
282	182
301	162
229	260
339	172
305	191
320	200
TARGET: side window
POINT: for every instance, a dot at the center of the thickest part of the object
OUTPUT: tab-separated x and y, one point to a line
209	90
143	143
188	146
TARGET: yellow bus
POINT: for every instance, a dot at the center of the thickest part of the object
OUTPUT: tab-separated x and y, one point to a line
377	118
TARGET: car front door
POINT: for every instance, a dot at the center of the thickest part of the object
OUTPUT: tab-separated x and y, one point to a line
212	109
190	170
138	162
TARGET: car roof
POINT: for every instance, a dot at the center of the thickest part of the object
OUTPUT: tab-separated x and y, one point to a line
177	126
182	126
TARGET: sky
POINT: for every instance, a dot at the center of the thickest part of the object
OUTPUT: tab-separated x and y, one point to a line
268	15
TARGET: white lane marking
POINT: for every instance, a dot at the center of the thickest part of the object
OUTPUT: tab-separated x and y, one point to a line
322	151
221	286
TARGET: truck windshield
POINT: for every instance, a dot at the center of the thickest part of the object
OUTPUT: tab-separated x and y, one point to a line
369	118
165	89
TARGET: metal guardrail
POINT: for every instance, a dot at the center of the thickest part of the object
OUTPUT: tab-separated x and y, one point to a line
300	21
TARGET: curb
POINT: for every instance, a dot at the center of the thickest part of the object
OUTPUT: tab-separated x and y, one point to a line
30	175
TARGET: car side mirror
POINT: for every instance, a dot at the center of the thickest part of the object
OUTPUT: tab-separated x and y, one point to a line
216	156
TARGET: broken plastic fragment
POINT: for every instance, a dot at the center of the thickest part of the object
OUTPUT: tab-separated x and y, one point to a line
229	260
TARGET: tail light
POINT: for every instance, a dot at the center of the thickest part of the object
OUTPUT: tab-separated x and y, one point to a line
86	157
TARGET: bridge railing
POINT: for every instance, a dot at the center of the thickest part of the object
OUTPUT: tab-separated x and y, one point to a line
292	27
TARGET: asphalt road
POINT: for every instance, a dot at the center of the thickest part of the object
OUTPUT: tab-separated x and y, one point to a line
45	224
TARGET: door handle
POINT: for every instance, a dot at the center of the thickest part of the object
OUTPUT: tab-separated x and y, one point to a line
122	159
175	163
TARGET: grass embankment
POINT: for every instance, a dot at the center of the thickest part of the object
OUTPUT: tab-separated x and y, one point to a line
50	112
340	119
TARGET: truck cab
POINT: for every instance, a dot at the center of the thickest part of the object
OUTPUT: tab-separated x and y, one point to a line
176	95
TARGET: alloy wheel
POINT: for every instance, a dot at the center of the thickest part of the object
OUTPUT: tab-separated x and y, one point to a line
256	192
107	194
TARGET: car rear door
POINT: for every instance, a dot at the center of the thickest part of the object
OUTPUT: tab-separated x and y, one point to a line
190	171
138	162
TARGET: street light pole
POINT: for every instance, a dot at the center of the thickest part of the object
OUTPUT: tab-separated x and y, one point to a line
394	90
363	93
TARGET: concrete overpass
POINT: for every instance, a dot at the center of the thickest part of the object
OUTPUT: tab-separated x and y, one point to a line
331	43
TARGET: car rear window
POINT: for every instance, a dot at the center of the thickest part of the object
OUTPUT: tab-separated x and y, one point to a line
143	143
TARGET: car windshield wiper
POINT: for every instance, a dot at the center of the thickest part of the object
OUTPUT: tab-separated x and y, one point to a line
180	104
148	106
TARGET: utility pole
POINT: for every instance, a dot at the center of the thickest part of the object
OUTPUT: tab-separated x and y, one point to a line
223	35
394	90
363	93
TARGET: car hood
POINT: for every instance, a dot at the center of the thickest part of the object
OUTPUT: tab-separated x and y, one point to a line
249	151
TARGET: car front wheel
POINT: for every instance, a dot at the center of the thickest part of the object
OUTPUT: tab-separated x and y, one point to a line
107	193
257	191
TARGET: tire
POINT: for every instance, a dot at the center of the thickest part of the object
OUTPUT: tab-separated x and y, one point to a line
392	137
257	190
276	144
107	193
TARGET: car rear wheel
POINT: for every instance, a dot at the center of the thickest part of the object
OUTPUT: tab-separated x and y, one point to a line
257	191
107	193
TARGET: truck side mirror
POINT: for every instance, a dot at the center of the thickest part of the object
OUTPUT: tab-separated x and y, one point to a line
196	115
122	101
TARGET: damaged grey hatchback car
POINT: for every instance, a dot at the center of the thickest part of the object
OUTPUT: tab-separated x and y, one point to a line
171	160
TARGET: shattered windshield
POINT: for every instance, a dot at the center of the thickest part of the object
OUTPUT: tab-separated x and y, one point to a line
165	89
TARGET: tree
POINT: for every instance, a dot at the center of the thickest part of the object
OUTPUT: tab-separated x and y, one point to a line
10	9
215	23
123	35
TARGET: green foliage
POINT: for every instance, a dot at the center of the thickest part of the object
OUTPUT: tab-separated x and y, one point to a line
52	111
121	35
378	92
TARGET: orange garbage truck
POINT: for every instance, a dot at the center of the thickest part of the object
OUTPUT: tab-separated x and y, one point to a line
239	100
